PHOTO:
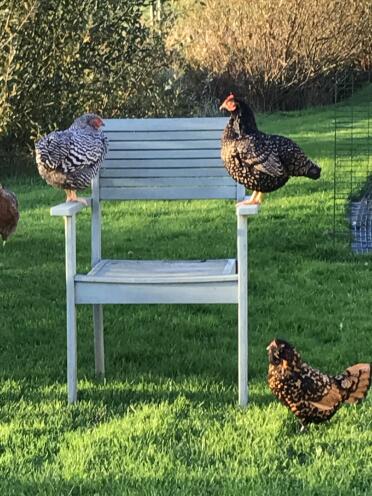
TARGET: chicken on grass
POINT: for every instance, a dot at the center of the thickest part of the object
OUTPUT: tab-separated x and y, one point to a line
9	214
312	396
261	162
70	159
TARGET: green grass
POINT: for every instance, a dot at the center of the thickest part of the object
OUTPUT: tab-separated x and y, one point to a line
166	421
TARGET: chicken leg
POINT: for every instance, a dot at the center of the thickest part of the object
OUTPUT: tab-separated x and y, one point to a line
255	199
72	197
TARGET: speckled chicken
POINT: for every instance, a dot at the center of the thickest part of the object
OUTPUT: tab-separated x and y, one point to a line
9	214
312	396
261	162
70	159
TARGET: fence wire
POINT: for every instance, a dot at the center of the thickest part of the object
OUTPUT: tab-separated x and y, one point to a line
352	165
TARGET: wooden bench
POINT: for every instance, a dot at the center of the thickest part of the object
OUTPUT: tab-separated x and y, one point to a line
157	159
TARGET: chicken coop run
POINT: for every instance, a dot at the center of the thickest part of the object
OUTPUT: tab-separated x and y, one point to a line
352	213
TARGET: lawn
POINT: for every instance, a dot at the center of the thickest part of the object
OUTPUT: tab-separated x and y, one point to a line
166	422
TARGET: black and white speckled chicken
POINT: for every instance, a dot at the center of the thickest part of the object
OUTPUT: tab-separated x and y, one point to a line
312	396
261	162
9	214
70	159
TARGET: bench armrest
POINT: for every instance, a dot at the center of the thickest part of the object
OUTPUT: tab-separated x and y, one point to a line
68	209
247	210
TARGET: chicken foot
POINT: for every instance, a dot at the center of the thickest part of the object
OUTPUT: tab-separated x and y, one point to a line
71	196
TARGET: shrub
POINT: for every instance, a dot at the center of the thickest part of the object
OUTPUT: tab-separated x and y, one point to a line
280	52
60	58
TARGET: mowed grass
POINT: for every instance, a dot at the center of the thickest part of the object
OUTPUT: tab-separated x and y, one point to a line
166	422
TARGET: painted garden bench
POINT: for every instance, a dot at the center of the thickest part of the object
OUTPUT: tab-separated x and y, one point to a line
157	159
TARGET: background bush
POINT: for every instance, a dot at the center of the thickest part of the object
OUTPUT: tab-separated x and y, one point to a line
282	53
60	58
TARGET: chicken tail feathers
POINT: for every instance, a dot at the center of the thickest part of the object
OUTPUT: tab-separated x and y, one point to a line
360	377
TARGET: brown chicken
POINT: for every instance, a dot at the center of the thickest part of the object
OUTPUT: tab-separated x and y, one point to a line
8	213
312	396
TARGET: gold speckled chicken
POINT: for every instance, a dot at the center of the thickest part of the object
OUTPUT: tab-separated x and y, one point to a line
261	162
9	214
312	396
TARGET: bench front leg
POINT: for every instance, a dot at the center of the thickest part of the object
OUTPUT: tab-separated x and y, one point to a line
70	239
243	212
243	309
68	211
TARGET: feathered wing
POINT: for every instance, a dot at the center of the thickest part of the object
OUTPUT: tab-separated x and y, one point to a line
70	159
259	152
12	199
295	160
53	150
324	394
68	151
319	396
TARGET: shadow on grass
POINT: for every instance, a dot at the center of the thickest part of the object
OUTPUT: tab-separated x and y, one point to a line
123	394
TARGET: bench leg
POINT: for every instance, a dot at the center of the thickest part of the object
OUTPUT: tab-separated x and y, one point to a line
243	354
99	350
243	310
70	234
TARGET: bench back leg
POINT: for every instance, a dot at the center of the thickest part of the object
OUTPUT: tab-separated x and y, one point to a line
99	350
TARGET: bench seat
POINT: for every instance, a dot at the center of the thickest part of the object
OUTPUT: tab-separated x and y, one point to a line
158	281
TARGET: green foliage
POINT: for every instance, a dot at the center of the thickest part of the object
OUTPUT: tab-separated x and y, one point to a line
166	421
60	58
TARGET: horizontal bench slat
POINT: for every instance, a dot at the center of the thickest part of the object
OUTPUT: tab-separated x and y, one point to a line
135	271
171	193
154	135
166	145
198	292
154	182
173	124
214	153
169	163
157	172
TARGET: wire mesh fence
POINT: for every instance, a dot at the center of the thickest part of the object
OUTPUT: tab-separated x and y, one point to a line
352	164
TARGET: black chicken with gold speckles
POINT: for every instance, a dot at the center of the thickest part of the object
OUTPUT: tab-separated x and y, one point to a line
261	162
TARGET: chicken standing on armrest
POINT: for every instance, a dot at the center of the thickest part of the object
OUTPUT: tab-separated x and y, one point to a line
312	396
261	162
70	159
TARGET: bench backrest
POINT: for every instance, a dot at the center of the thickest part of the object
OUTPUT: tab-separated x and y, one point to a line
161	159
165	159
